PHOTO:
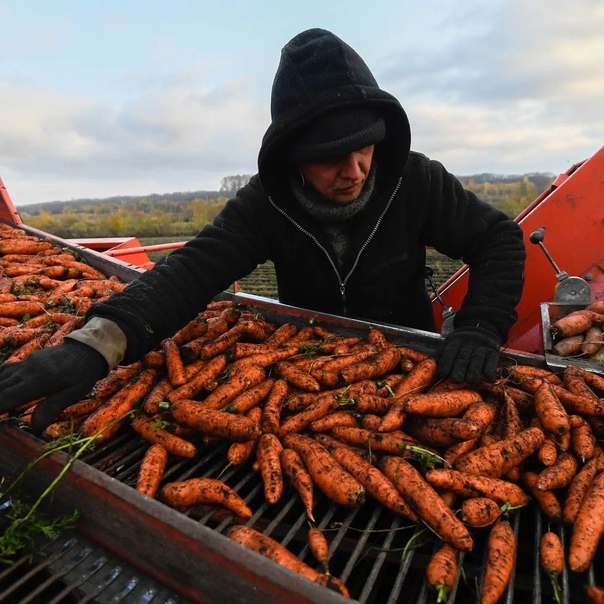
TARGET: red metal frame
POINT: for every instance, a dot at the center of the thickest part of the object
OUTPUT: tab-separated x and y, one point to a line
572	213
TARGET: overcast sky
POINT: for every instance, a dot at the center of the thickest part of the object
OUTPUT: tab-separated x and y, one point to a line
131	97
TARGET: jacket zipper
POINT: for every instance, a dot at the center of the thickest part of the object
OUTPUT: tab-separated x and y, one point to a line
341	281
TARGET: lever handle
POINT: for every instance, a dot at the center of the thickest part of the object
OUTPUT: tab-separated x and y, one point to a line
537	238
538	235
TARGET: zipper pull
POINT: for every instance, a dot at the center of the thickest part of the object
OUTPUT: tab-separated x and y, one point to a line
343	294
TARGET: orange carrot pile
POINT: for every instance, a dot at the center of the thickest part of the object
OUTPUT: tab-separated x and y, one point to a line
354	418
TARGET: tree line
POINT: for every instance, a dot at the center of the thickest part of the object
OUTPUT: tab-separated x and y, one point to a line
183	214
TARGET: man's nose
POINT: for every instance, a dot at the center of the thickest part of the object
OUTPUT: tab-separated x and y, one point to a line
350	167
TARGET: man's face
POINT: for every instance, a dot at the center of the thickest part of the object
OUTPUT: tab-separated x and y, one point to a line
340	179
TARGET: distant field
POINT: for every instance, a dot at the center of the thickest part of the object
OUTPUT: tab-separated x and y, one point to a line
262	281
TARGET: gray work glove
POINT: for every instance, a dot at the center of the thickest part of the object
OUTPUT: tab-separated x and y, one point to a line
469	354
64	374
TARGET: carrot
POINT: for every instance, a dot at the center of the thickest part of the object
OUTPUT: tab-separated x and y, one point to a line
572	324
151	470
547	500
500	560
207	370
195	328
427	504
441	431
551	554
588	527
373	480
479	512
265	359
381	363
239	380
107	419
578	404
574	381
268	452
239	452
523	374
570	346
471	485
174	363
593	380
296	377
577	489
386	442
323	404
281	335
23	351
441	571
583	439
319	547
116	379
207	491
273	550
338	363
250	398
328	475
271	410
559	474
395	417
293	468
594	338
549	410
157	395
213	422
152	432
333	420
82	408
594	594
441	404
500	457
482	413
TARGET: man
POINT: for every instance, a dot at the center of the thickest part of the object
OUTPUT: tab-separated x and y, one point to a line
344	210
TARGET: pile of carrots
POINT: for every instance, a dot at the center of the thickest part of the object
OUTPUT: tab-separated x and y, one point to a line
352	417
580	333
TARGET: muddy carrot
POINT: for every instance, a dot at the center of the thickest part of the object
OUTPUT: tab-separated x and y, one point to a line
107	419
588	527
293	467
575	382
570	346
559	474
268	451
213	422
333	420
239	380
500	560
547	500
441	431
395	417
319	547
116	379
336	364
373	480
594	338
328	475
427	504
595	594
195	328
82	408
151	470
480	512
296	377
441	404
551	556
497	459
583	440
395	442
323	404
577	489
174	363
549	410
208	491
151	430
271	410
20	308
266	359
382	363
273	550
471	485
281	335
251	397
419	379
239	452
441	571
23	351
196	381
572	324
157	395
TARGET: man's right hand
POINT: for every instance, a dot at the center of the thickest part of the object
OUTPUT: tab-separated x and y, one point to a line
64	374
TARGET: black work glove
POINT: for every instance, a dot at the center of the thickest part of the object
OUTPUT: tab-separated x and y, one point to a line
64	374
468	354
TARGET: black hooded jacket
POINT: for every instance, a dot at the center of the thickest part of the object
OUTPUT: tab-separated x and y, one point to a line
416	204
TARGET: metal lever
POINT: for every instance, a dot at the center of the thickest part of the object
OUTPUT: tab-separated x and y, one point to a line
574	290
448	313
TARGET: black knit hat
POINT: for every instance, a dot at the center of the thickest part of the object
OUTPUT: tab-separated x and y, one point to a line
337	133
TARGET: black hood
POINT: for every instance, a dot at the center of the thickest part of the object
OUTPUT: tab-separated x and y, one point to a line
319	72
